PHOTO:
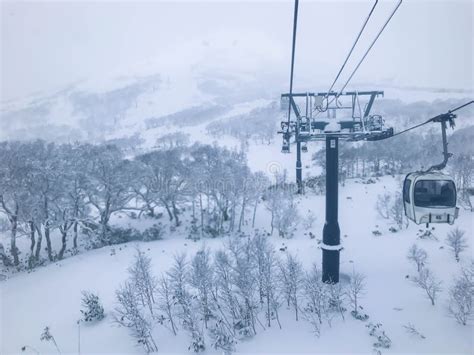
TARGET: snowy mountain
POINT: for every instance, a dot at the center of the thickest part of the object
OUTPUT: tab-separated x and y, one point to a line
121	102
190	84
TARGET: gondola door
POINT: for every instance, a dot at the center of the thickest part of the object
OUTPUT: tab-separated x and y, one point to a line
408	199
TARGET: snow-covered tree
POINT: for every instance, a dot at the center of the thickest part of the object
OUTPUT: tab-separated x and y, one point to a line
260	183
46	187
224	299
337	295
173	140
166	303
316	299
145	188
245	286
461	303
70	208
355	291
463	170
418	256
266	264
167	179
279	200
291	278
142	279
13	190
179	276
130	314
202	280
397	211
429	283
247	192
108	187
457	242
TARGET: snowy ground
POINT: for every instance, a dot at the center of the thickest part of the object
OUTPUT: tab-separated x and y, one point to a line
50	296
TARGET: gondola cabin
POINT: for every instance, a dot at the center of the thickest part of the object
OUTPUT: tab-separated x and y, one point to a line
304	148
285	148
430	198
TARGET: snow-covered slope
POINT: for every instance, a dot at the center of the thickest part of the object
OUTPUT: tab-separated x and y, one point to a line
50	296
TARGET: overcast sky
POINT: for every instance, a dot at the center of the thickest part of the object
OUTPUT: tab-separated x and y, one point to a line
47	45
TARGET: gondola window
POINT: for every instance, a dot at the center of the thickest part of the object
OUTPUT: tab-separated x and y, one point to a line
435	193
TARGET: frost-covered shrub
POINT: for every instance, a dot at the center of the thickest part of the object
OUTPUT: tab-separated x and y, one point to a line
426	234
390	206
48	337
112	235
197	341
5	258
317	184
383	205
92	309
4	225
376	331
92	234
194	233
119	235
155	232
222	338
410	329
244	330
337	298
376	233
308	220
211	231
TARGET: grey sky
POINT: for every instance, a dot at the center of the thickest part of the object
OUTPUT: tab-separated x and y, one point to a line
46	45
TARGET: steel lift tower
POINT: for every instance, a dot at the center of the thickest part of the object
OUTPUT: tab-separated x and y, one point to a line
359	125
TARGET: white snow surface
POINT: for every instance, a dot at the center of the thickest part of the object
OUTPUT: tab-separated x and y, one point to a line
51	295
